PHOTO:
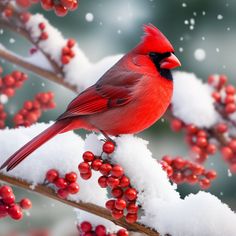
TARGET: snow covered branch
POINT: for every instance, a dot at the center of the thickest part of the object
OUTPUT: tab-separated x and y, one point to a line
44	73
88	207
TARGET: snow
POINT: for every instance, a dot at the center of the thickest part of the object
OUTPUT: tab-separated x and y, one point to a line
64	152
220	17
192	101
3	98
80	71
89	17
200	54
164	210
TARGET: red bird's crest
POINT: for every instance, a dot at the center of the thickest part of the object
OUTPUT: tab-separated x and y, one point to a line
154	41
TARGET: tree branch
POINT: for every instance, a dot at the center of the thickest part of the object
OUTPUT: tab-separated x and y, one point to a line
88	207
49	75
14	25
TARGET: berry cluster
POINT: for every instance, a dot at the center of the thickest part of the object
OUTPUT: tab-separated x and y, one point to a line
65	185
180	170
223	94
8	205
61	7
67	52
9	83
115	180
32	110
198	139
86	229
3	116
44	34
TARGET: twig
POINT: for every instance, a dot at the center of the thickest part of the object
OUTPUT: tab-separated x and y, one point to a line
15	27
10	57
88	207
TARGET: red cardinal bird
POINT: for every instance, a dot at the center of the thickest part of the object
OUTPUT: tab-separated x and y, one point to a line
128	98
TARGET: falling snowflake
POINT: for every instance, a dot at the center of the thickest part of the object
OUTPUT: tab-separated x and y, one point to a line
200	54
89	17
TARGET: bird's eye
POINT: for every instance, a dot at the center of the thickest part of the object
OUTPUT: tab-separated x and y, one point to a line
153	54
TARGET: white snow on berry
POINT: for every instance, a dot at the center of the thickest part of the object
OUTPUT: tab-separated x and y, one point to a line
192	101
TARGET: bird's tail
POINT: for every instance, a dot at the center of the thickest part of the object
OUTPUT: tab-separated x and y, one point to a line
32	145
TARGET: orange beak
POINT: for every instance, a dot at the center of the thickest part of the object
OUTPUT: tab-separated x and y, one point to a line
170	62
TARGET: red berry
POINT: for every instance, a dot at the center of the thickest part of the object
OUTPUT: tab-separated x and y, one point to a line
100	230
120	204
226	152
42	26
25	16
9	80
3	211
96	164
122	232
44	35
67	3
5	191
191	129
85	226
117	171
211	149
117	214
60	183
117	192
65	59
124	181
102	181
84	168
201	142
110	204
47	4
62	193
88	156
179	163
230	108
192	179
167	159
230	89
131	218
211	174
130	194
205	183
87	175
60	10
105	169
71	43
71	177
52	175
15	212
176	125
232	145
25	203
108	147
113	182
73	188
132	208
9	200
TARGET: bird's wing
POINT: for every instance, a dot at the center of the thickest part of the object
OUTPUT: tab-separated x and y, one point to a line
103	96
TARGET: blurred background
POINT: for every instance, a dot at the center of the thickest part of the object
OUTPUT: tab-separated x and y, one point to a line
203	33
